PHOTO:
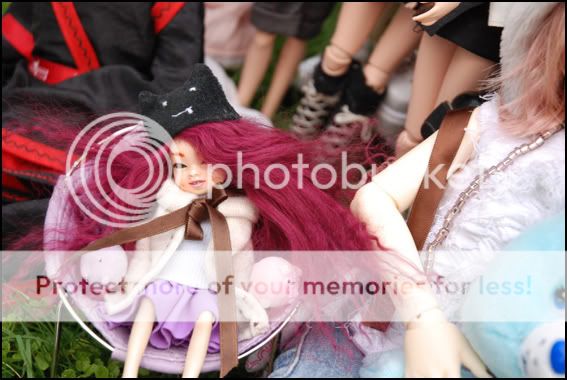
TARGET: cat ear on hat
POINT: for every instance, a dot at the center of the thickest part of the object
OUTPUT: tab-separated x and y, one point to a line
199	75
199	100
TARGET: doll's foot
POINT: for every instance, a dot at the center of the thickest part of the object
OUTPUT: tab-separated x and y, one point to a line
358	95
355	121
312	112
347	128
320	97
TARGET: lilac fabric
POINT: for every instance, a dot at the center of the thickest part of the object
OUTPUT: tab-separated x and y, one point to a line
172	361
177	308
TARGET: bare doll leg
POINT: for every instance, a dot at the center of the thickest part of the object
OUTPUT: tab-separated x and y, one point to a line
433	60
139	337
290	56
356	21
256	63
199	344
465	73
395	44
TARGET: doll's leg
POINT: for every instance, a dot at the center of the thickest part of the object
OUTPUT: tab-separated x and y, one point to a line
139	337
255	65
199	345
321	96
290	56
465	73
356	21
395	44
433	60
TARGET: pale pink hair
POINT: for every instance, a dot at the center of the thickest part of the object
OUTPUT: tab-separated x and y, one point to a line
539	104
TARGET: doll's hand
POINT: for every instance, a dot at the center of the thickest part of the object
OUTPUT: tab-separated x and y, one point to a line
439	10
437	348
260	327
253	312
259	322
405	143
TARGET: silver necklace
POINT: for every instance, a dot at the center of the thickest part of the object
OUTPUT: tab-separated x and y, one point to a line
473	188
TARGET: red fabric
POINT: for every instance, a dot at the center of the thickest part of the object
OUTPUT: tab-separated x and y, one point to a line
50	72
8	196
17	35
26	161
75	36
13	183
163	12
33	153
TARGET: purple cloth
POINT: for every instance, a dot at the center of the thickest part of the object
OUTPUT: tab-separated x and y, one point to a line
177	308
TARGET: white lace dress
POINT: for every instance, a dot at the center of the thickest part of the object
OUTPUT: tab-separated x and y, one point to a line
530	190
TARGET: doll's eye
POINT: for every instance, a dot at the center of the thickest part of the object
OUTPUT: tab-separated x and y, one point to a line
179	165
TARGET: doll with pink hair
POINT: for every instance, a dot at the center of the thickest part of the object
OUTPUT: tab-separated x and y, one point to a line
508	173
260	216
522	127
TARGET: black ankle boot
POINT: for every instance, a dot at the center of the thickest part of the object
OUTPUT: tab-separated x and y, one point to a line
327	84
358	96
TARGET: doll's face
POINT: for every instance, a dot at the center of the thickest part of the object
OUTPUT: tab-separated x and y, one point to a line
190	172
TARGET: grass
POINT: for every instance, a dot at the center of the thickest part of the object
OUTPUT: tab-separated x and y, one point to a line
27	351
27	347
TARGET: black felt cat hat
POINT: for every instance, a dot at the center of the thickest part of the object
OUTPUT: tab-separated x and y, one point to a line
200	100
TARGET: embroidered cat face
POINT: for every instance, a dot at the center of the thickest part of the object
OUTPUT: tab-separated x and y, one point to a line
190	173
200	100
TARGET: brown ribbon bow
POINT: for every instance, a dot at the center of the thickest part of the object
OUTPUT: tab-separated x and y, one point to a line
191	216
199	211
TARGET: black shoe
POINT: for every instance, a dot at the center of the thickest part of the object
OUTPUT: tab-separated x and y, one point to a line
320	97
358	96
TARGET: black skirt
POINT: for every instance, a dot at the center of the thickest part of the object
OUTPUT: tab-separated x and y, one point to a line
467	26
292	19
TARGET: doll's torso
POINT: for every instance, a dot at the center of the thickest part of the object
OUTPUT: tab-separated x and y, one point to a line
507	203
528	191
187	265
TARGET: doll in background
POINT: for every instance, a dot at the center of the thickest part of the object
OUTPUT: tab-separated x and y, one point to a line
156	50
459	50
299	21
228	32
522	125
346	90
207	130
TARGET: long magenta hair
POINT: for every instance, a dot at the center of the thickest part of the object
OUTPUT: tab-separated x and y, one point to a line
291	218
